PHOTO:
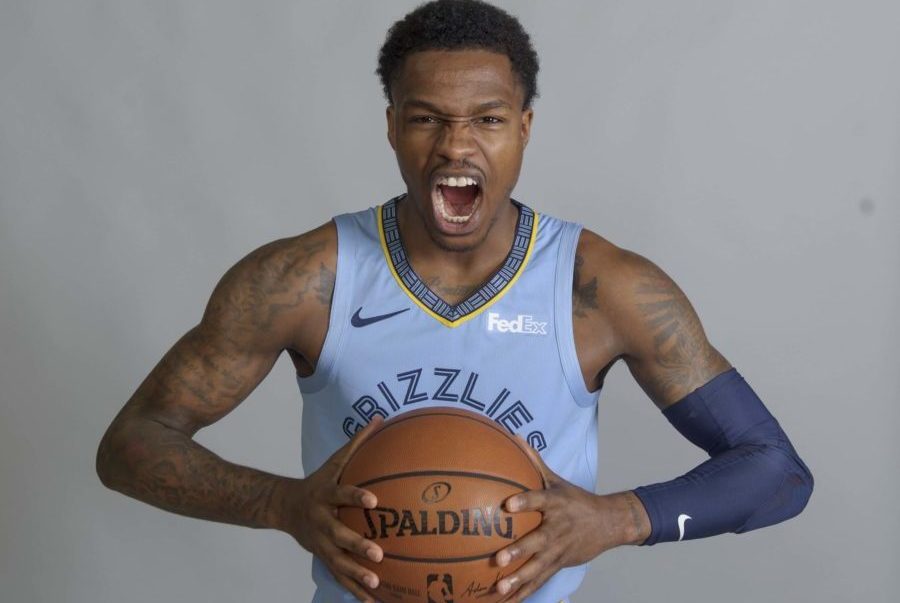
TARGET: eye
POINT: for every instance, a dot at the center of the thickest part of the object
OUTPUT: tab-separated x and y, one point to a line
423	119
490	120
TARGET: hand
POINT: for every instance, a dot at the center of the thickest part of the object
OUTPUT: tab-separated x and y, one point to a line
577	526
309	514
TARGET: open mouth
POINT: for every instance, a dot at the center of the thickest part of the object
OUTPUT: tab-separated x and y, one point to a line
456	198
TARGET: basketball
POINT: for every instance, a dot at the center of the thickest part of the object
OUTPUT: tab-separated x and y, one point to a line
441	476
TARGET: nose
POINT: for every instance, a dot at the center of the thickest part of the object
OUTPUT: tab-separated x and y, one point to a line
456	141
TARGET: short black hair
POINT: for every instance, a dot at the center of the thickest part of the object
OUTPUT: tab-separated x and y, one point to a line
459	25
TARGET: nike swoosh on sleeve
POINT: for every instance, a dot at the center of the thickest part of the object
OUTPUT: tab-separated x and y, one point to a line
681	521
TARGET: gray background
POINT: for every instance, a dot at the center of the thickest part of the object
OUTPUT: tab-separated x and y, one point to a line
749	148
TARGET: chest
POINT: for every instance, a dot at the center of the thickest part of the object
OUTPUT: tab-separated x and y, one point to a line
523	313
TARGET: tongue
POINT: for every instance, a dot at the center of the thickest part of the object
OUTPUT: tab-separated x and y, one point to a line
459	199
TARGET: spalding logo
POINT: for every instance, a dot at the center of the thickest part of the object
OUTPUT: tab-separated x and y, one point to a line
435	492
384	522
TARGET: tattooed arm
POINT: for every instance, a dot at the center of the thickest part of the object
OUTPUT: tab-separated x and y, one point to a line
645	319
623	307
254	313
753	477
276	298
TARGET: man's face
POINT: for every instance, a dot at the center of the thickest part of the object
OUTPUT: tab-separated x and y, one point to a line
457	118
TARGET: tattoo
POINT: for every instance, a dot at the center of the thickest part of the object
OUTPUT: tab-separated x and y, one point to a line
277	278
207	362
200	364
683	358
639	519
449	293
149	452
325	287
167	469
584	295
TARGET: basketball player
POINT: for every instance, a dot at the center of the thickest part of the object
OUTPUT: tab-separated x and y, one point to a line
454	294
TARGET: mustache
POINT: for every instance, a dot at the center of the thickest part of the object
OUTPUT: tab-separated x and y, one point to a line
458	166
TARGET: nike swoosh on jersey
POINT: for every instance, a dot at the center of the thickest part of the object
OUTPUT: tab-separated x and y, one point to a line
681	519
358	321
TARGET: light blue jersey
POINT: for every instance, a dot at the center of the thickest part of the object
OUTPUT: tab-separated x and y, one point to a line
507	352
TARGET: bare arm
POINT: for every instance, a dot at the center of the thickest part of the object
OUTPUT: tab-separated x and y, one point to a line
257	309
666	349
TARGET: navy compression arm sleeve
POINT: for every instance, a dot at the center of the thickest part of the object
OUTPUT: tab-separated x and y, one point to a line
754	479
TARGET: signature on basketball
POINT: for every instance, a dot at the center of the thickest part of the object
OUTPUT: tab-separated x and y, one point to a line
477	590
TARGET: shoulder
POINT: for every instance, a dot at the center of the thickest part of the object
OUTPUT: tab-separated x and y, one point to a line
270	289
621	275
291	256
624	286
598	252
287	266
603	282
607	275
605	286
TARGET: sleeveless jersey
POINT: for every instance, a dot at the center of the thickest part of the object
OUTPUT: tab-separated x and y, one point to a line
506	352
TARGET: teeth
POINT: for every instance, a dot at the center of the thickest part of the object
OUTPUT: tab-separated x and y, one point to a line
443	210
454	181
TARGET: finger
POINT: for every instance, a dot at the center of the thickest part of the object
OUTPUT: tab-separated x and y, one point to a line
527	589
351	541
535	567
532	500
340	458
343	566
525	547
345	495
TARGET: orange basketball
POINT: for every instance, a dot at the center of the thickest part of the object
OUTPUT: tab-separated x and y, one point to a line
441	476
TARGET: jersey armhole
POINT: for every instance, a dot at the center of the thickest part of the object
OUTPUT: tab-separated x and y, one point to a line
565	334
343	286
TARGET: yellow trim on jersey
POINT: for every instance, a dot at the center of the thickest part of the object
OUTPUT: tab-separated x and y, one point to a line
488	304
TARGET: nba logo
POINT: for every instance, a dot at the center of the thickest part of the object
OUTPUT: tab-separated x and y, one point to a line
440	588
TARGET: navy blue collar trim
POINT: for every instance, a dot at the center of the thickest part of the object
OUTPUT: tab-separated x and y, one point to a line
494	286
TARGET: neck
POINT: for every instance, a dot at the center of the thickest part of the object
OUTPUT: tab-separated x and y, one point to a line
464	267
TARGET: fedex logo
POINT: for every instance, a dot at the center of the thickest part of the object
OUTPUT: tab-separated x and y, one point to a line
523	323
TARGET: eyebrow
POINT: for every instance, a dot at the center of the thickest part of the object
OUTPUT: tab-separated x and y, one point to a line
494	104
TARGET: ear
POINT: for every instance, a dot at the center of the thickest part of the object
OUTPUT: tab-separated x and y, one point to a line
527	117
389	114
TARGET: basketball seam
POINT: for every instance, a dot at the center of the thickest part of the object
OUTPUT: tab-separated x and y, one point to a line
438	559
486	423
437	472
